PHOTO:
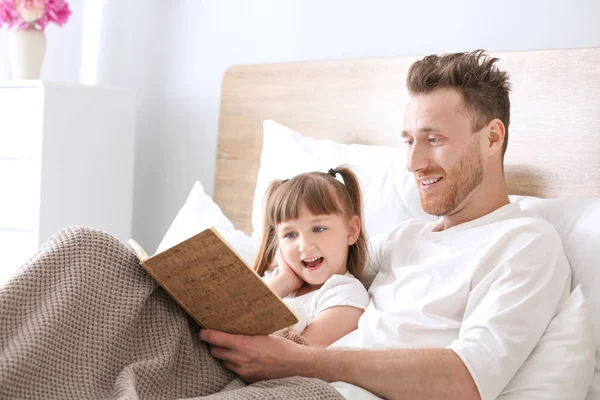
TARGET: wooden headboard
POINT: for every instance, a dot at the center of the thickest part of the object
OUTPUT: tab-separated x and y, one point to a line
554	135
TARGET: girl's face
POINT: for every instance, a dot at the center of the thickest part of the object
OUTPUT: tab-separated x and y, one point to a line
316	246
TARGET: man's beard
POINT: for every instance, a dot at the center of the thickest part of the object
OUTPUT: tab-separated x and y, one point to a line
463	178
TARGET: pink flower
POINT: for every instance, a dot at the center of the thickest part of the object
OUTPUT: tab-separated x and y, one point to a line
8	13
5	17
30	10
37	13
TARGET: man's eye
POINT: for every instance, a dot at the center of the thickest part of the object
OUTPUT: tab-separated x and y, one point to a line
409	142
290	235
319	229
434	140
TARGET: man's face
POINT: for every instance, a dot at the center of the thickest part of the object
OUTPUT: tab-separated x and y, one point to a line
443	153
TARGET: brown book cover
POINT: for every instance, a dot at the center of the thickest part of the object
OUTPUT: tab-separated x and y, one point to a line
216	287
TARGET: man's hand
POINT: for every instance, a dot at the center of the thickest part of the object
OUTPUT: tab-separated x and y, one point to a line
392	374
256	358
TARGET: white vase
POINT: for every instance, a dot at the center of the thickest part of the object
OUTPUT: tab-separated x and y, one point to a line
26	49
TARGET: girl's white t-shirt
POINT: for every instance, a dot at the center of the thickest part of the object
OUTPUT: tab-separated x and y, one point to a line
338	290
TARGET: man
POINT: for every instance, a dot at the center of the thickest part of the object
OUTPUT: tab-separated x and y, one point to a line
457	305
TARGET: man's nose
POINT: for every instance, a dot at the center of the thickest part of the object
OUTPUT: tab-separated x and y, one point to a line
418	159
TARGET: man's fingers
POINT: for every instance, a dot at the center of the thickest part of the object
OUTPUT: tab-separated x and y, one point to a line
222	353
229	358
217	338
230	366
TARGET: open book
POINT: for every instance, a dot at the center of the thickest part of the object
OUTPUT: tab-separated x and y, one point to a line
214	285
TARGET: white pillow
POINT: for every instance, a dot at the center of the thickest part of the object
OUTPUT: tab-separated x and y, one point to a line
200	212
577	221
562	364
389	193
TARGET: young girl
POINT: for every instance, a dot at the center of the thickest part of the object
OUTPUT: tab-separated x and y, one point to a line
314	234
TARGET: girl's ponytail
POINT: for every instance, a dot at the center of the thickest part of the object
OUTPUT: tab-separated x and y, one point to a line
358	252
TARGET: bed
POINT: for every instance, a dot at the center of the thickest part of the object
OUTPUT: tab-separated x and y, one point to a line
73	332
553	151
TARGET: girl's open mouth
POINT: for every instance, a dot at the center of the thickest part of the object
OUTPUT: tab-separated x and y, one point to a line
312	263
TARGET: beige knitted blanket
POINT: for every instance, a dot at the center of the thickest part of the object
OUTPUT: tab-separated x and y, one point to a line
82	320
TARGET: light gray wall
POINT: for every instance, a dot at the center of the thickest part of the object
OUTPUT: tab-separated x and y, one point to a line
178	64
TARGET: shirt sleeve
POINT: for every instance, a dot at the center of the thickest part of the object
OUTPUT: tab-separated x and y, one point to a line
342	290
513	297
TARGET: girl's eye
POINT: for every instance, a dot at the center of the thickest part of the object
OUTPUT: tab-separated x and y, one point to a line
290	235
434	140
408	143
318	229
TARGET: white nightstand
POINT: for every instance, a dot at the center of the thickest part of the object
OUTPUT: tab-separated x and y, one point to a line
66	158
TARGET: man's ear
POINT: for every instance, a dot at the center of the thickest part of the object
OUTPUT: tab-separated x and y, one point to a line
353	230
496	132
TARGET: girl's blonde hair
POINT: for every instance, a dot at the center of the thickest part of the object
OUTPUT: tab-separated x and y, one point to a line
322	194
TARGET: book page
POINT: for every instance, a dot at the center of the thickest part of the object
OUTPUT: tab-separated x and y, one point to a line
137	249
216	287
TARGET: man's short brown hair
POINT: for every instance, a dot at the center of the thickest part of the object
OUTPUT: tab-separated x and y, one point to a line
484	88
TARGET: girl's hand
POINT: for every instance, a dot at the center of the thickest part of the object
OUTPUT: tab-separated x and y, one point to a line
286	281
293	280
